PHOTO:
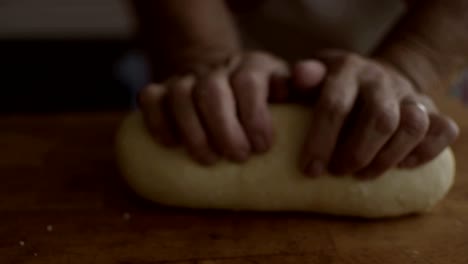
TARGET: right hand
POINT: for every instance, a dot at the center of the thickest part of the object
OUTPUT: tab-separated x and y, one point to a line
222	113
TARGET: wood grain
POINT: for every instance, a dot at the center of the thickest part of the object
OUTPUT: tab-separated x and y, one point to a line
61	196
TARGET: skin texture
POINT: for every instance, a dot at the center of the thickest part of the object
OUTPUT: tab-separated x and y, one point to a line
368	119
368	114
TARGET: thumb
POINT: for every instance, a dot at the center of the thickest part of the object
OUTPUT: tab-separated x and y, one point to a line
308	74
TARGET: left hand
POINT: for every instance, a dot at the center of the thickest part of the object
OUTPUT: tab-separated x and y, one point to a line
369	117
223	112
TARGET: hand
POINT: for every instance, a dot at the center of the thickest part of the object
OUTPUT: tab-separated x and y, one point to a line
220	113
369	118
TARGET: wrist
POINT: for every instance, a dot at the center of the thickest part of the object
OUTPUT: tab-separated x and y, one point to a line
196	57
414	65
417	63
181	36
200	59
429	44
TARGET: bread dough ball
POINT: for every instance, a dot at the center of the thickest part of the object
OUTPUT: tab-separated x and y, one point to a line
272	181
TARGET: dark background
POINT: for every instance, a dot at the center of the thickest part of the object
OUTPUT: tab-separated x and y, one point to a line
62	55
61	75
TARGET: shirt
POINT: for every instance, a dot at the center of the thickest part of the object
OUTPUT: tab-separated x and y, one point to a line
294	29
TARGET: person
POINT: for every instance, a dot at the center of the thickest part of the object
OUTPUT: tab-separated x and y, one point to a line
216	65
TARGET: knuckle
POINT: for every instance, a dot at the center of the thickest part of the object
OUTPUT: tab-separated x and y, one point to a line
211	84
246	79
373	73
207	91
403	83
386	118
334	105
208	88
414	122
414	129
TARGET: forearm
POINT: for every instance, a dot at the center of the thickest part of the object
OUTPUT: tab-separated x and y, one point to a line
183	35
430	45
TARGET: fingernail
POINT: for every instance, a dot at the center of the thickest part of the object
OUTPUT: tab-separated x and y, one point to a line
410	161
315	168
260	144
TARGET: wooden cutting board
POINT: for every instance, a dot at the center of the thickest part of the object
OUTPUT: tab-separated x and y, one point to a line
61	201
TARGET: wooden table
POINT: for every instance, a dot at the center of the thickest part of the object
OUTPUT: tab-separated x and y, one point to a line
61	201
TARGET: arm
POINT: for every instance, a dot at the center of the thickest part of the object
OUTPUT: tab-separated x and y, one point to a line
381	102
185	36
430	45
208	93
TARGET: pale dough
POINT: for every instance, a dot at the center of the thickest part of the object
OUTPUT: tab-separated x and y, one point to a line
272	182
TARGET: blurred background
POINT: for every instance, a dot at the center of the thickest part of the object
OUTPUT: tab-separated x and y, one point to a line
74	55
65	55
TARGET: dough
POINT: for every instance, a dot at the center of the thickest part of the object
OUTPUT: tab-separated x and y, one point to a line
272	182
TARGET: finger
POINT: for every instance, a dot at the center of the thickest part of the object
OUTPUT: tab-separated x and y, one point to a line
251	85
375	125
305	79
334	105
308	74
217	106
414	123
188	122
152	101
442	132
